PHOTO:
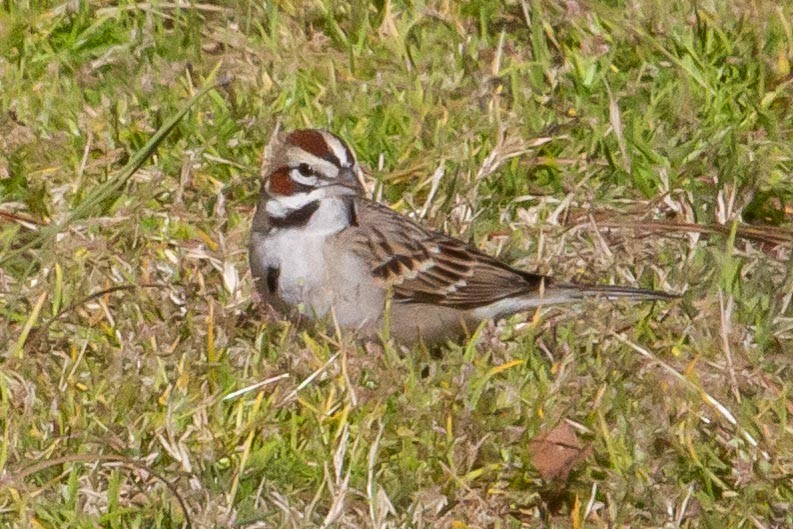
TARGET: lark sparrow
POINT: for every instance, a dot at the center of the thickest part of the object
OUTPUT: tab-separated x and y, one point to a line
320	250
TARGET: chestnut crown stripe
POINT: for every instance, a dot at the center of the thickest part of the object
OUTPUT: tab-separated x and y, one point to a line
314	142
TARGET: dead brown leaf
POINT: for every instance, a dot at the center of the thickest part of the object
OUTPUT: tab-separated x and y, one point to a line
555	453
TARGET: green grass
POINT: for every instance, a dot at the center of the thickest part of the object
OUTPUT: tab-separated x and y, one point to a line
640	142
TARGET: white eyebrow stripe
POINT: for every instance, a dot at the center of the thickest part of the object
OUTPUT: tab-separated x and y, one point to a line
338	149
323	167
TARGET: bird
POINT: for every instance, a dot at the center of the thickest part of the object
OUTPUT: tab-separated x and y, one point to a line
320	251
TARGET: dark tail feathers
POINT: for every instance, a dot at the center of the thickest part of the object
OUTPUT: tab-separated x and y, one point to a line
576	291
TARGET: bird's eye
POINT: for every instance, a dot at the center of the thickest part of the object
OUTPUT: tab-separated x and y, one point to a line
305	170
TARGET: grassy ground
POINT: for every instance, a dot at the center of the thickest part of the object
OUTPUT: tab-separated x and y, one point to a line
645	143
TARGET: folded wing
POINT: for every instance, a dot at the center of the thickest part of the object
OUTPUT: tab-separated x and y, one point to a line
425	266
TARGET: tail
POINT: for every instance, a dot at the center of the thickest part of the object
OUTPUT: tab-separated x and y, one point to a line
558	293
572	291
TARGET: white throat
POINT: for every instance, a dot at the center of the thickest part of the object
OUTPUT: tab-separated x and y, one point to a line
331	216
313	212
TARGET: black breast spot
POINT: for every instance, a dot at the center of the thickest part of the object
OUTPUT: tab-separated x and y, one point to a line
272	278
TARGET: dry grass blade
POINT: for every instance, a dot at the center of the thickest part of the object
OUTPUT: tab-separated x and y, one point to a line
252	387
31	321
25	221
309	379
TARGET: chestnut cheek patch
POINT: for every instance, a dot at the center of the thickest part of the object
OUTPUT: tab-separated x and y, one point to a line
280	183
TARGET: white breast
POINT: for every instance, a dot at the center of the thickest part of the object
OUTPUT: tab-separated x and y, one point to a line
298	257
298	254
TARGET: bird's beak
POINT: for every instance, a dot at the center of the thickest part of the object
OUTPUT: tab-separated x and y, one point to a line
352	179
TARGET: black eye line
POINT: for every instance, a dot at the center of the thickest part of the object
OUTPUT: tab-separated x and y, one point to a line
302	188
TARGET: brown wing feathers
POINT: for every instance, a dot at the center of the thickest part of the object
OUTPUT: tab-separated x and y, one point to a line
424	266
